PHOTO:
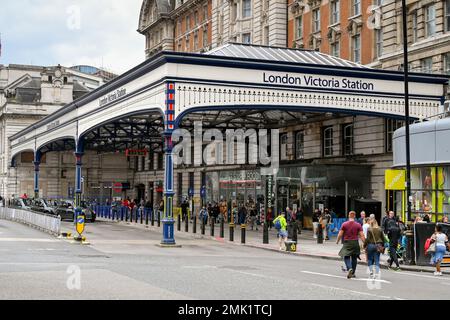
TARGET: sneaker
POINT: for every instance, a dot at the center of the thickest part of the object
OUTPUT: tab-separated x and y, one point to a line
350	274
436	273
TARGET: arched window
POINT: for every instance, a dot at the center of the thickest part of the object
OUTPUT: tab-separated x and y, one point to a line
347	134
299	145
328	142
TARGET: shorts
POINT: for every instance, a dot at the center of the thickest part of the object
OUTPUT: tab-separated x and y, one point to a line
283	233
438	255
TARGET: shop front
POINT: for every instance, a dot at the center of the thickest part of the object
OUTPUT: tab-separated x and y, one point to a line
430	170
337	187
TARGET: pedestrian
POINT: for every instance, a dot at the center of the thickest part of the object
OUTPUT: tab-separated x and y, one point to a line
441	241
234	214
393	232
242	214
223	210
374	246
362	216
444	219
350	232
269	218
383	220
426	218
184	210
315	221
280	225
253	218
203	215
293	224
325	220
366	226
299	219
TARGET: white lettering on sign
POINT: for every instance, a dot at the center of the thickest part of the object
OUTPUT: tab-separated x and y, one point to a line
53	125
319	82
112	96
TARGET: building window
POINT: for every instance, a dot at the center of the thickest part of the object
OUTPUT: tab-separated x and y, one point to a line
160	161
188	43
447	15
266	35
427	65
356	44
180	187
246	8
447	63
316	20
300	145
378	43
195	40
283	146
205	37
188	23
335	16
414	27
246	38
234	12
191	181
196	18
328	142
347	134
336	49
356	7
391	126
299	27
430	16
205	13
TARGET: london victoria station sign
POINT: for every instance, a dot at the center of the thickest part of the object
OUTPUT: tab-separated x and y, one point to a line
318	82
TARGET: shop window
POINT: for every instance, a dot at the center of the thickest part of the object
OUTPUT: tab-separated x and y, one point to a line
390	126
327	141
347	135
299	145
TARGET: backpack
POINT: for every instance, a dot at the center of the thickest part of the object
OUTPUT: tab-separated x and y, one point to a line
392	226
277	224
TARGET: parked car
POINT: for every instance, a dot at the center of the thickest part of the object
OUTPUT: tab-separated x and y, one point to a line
41	205
19	203
66	210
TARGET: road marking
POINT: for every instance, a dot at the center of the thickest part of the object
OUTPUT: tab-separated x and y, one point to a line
26	240
356	292
341	277
415	274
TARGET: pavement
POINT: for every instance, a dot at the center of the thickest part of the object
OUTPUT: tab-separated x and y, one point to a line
307	246
124	261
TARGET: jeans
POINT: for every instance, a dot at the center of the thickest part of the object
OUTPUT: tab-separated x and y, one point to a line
351	262
373	257
393	252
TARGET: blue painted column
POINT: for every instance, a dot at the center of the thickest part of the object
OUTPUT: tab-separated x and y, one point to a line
168	221
78	185
36	162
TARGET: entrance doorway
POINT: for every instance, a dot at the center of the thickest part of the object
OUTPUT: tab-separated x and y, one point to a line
140	192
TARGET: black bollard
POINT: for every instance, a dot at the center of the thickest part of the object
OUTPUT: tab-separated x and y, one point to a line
212	227
222	228
146	217
243	227
179	223
142	216
159	219
294	232
194	227
266	233
121	214
126	215
186	224
203	226
319	233
136	213
231	231
153	217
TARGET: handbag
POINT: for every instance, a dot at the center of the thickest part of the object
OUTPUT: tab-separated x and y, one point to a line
380	247
432	248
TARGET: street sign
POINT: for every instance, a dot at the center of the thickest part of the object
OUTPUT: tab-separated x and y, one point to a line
80	224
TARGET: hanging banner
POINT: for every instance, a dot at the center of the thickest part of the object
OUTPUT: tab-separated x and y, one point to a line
394	179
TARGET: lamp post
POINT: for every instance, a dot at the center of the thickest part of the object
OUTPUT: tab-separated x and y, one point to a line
406	80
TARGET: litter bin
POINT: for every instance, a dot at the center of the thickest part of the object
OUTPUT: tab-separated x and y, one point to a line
291	246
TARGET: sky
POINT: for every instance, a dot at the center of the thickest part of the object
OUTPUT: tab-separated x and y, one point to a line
101	33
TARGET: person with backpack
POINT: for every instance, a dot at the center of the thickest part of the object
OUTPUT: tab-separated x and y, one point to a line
393	232
350	232
280	225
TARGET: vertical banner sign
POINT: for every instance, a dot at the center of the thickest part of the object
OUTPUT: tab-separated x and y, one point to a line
269	192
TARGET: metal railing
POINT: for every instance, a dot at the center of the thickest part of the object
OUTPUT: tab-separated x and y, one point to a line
41	221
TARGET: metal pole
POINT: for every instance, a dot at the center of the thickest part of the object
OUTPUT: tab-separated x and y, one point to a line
194	226
222	226
179	223
406	80
243	227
